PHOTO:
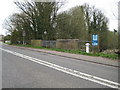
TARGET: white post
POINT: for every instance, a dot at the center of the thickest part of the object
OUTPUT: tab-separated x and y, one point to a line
87	47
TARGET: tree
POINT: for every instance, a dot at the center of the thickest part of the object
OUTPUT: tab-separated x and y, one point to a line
71	24
64	26
78	22
42	17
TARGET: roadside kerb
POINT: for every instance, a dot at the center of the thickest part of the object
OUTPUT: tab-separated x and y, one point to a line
92	59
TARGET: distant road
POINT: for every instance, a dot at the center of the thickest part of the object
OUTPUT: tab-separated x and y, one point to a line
22	68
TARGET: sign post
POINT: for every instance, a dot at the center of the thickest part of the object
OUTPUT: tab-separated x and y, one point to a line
94	40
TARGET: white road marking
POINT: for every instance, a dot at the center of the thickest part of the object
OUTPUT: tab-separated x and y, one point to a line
68	71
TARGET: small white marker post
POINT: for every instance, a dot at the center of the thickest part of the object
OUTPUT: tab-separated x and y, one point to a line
87	47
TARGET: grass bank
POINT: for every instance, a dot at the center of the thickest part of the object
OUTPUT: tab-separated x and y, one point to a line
110	56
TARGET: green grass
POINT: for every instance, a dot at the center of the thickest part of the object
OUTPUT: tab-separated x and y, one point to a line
110	56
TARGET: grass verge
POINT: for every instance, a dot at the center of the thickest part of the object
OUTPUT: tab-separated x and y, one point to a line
110	56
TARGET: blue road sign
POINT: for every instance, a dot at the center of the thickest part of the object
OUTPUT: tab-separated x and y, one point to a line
94	39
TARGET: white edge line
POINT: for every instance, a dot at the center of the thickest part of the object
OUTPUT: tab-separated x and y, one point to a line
68	71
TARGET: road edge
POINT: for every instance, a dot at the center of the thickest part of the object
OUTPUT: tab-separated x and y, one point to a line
34	49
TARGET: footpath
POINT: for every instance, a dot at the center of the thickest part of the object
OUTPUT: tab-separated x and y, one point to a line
92	59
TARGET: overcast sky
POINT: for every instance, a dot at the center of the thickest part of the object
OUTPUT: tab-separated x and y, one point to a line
108	7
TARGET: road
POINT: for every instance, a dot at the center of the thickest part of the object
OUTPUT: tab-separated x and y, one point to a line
22	68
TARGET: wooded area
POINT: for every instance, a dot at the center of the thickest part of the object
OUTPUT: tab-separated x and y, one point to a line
41	21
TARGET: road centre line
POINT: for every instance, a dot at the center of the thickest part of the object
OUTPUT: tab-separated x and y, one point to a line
72	72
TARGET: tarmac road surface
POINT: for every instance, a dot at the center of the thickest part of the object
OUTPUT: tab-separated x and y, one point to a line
22	68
